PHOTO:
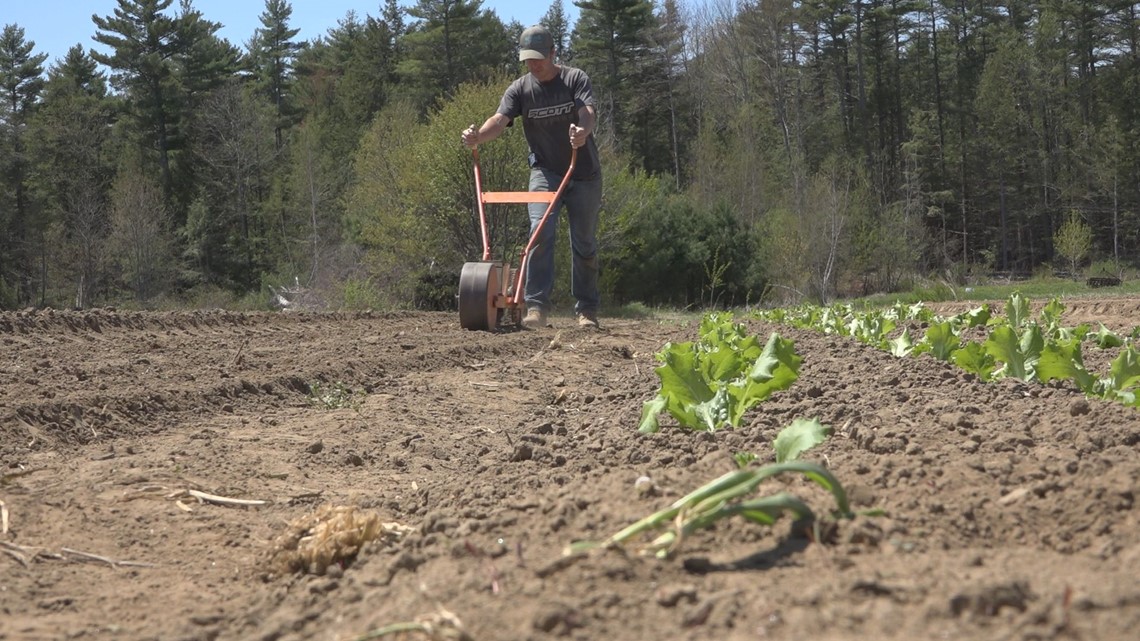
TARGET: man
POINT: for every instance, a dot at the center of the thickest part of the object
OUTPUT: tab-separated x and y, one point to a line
552	100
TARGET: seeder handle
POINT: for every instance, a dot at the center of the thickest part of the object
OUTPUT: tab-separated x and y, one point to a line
479	200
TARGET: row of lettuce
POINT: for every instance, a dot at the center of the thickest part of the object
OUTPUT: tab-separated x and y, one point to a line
711	383
1017	345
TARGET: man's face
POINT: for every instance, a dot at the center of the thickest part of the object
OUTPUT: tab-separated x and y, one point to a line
541	68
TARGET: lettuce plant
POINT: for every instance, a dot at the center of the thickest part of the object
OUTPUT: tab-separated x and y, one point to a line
710	383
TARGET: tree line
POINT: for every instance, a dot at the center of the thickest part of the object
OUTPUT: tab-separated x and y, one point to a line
753	149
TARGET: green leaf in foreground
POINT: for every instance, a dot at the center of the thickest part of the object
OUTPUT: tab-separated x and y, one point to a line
683	386
1124	377
973	358
1051	315
977	317
710	384
1017	310
1062	361
1106	339
903	345
725	497
649	413
942	340
800	436
1018	356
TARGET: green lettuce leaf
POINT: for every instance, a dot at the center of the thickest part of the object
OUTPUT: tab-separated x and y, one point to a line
798	437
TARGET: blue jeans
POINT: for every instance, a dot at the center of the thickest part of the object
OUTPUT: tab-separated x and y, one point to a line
582	199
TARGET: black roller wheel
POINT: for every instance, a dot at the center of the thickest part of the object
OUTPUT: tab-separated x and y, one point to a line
478	285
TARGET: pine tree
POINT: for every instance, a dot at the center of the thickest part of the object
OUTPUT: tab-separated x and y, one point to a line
71	152
143	40
21	81
274	51
393	17
558	24
454	41
609	37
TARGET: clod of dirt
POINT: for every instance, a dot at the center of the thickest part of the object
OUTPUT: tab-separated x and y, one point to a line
559	620
1079	407
989	601
697	615
332	534
670	596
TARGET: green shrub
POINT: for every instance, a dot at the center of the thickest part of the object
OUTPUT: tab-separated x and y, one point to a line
436	291
1107	268
360	294
681	255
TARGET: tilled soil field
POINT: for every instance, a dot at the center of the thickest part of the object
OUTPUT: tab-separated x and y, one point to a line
129	440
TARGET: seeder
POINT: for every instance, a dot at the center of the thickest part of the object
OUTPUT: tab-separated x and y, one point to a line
491	292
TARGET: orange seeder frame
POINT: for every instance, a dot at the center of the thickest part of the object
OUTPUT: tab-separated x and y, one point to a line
517	197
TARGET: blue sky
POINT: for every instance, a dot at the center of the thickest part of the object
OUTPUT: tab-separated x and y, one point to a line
57	25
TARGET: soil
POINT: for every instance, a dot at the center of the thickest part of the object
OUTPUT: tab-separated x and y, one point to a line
1009	508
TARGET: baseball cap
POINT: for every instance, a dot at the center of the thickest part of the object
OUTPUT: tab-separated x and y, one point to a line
535	43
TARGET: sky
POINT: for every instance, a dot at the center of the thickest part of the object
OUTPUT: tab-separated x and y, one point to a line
57	25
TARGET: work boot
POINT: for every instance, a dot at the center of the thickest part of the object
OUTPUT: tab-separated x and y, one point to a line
588	319
535	318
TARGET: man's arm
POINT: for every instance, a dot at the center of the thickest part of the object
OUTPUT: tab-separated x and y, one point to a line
488	132
581	132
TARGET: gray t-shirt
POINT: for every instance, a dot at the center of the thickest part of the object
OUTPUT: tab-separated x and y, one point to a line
548	109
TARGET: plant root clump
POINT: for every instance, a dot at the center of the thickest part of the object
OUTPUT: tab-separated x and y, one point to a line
330	535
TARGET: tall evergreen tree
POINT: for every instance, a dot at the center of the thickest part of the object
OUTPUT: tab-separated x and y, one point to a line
71	152
227	229
454	41
610	34
203	64
558	24
21	81
369	74
274	51
657	106
143	40
393	17
204	61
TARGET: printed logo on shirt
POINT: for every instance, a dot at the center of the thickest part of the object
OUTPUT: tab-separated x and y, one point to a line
551	112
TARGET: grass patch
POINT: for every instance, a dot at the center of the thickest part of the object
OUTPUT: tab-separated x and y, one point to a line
1037	288
663	315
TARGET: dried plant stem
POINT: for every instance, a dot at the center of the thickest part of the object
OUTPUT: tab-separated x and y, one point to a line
223	500
394	628
103	559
